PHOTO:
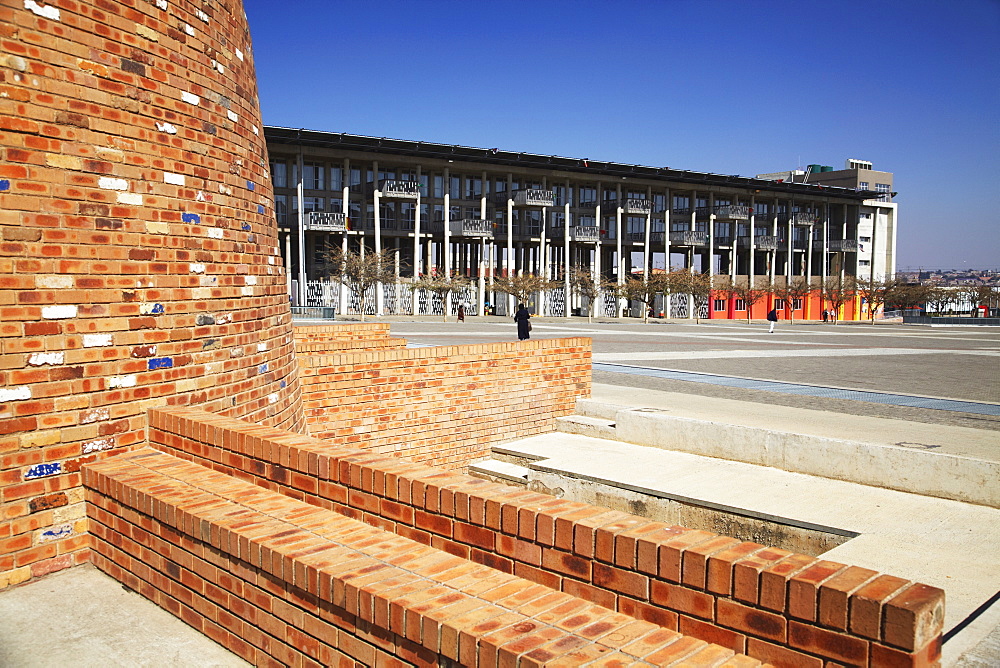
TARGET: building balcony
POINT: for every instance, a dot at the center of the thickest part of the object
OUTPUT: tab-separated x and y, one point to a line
400	189
837	245
689	238
527	197
586	234
761	242
325	221
732	212
466	227
799	218
631	206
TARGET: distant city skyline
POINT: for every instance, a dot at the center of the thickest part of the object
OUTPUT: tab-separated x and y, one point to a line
716	86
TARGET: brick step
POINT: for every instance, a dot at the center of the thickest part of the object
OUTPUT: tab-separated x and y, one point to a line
276	579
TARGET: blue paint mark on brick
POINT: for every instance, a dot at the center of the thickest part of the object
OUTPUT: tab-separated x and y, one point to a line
191	218
4	184
157	309
251	238
43	470
161	363
260	208
52	534
284	384
246	227
262	368
250	185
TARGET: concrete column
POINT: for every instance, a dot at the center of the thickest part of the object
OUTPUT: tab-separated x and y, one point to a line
597	251
301	233
711	234
567	294
647	260
752	241
347	212
509	265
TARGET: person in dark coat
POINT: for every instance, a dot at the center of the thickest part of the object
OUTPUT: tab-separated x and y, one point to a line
461	312
523	320
772	317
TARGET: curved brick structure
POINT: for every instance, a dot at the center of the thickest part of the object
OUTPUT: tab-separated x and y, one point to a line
138	258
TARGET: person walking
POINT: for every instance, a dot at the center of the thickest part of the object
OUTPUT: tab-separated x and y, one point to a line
461	312
523	320
772	317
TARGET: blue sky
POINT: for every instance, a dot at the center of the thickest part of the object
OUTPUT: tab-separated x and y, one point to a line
732	87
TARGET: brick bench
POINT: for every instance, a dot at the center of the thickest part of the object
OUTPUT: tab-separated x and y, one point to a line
277	580
785	608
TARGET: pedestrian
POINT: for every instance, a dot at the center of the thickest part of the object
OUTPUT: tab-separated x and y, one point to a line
826	316
461	312
523	320
772	317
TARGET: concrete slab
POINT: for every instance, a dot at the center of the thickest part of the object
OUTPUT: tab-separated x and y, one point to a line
80	617
946	439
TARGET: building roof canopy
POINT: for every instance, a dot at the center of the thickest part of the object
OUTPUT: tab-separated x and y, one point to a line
595	168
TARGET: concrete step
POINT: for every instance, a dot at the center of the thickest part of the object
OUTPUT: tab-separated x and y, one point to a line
936	541
921	461
587	426
500	471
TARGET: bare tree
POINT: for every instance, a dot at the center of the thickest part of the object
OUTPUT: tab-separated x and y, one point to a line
522	286
359	272
797	290
939	297
645	290
751	296
907	295
439	283
987	295
582	283
875	291
838	291
699	286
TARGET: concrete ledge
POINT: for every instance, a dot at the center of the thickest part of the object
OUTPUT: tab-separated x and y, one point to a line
924	472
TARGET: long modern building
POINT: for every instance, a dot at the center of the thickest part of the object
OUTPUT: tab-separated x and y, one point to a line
487	212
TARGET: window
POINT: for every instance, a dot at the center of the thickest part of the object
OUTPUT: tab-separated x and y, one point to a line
281	209
779	304
863	185
797	304
741	305
312	176
719	305
681	203
883	188
865	240
455	188
336	178
279	174
438	186
588	196
309	204
473	188
864	263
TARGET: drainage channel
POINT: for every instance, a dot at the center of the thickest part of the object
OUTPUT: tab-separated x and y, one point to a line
912	401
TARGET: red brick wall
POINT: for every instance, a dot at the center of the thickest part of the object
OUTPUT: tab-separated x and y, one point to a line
324	339
784	608
446	405
277	580
139	261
